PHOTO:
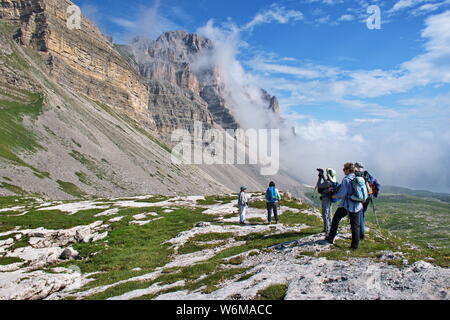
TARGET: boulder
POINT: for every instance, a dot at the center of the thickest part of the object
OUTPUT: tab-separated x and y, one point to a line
69	253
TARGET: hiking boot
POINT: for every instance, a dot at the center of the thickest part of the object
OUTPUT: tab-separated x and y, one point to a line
329	239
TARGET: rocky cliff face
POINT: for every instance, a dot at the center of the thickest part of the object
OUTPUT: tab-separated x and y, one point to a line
83	60
77	120
173	58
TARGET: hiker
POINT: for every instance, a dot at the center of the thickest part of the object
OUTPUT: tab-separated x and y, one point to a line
373	189
243	204
325	186
272	198
347	207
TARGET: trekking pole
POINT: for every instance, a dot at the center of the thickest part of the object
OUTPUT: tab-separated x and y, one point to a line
375	213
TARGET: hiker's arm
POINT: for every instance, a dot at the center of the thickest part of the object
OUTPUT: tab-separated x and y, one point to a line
342	191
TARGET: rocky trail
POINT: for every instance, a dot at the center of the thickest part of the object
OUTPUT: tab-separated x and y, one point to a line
206	256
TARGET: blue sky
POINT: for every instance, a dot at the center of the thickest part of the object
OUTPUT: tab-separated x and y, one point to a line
386	91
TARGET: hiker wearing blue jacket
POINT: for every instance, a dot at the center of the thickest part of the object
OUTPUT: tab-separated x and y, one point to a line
272	199
347	207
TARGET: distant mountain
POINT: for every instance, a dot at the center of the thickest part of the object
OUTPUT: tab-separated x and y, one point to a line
417	193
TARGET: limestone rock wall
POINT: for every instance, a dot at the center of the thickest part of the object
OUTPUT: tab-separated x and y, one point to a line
84	59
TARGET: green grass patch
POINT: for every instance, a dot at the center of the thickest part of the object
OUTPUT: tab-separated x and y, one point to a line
424	221
21	243
13	188
211	200
71	189
236	260
212	267
53	220
256	221
273	293
376	243
14	136
153	199
83	178
90	163
197	243
14	201
131	246
9	260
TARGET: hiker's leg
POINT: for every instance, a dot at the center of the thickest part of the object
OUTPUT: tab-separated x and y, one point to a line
326	214
355	225
340	213
269	212
275	211
329	217
362	217
361	225
242	214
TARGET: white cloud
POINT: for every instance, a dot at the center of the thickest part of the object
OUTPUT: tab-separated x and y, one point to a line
403	4
430	7
284	69
275	13
347	17
149	23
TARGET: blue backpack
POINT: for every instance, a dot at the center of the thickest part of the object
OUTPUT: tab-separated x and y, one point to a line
359	190
271	195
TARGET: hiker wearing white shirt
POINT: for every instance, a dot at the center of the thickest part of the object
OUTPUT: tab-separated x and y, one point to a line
243	204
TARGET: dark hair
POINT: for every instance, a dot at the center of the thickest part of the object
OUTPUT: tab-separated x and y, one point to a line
272	184
350	166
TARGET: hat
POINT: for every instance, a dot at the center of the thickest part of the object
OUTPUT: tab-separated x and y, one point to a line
243	188
331	174
359	165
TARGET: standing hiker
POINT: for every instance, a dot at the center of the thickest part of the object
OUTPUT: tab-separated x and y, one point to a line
373	188
272	198
347	206
325	186
243	204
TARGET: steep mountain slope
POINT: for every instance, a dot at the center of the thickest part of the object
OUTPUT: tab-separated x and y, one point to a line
78	120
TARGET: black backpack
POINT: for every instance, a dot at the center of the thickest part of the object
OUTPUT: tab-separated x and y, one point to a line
324	186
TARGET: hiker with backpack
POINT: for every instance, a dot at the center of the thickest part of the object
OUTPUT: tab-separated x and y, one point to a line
353	193
325	186
243	204
272	198
373	189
